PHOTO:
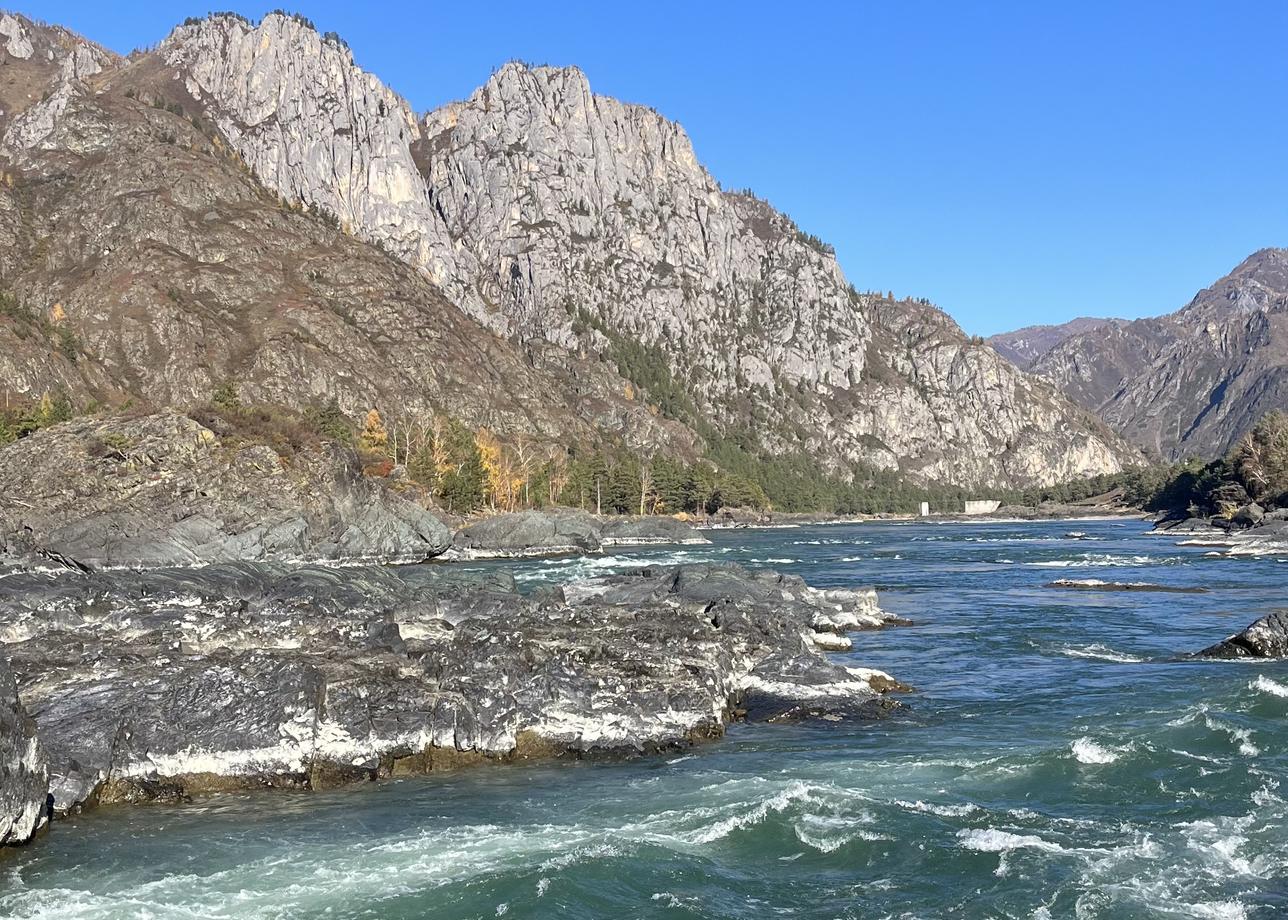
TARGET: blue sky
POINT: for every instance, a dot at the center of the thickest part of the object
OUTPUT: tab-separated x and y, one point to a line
1014	162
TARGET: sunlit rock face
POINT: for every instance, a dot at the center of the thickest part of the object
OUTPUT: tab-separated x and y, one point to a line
575	227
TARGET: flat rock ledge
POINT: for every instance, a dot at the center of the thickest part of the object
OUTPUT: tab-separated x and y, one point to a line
164	684
552	533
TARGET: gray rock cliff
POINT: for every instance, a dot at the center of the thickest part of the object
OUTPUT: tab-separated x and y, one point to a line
24	774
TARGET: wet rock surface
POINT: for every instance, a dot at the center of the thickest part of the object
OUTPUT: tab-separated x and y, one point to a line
1096	584
172	682
163	489
24	777
1266	638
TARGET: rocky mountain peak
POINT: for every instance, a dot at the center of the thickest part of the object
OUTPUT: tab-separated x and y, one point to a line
583	230
1191	382
314	127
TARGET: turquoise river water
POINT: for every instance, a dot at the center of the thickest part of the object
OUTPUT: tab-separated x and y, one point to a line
1055	762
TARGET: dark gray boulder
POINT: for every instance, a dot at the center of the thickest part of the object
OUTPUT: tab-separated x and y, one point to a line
549	533
24	778
162	489
1266	638
648	530
528	533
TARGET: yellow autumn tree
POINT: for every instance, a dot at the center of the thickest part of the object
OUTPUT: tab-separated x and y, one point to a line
490	456
374	437
504	478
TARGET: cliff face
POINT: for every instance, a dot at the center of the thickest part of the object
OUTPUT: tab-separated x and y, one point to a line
140	258
570	225
1191	382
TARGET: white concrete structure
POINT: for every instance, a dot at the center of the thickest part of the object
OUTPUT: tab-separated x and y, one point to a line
925	509
985	506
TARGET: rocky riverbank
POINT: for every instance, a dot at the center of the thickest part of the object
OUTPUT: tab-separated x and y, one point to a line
164	684
163	490
1251	532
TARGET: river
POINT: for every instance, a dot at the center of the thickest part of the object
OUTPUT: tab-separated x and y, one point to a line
1054	761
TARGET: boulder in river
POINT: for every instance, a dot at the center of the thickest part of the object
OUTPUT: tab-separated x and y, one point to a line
163	489
1266	638
528	533
639	531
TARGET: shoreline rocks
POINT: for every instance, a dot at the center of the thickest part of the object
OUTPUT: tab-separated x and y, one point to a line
169	683
162	489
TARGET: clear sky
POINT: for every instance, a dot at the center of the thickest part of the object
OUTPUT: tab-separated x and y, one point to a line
1014	162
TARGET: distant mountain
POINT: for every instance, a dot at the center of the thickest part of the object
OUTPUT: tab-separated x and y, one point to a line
244	203
1024	346
1194	381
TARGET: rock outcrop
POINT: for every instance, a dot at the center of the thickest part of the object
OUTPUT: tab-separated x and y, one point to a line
546	533
1266	638
557	217
163	489
24	776
169	683
40	62
1193	382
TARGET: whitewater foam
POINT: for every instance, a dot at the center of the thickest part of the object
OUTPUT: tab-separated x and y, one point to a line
1266	685
1089	752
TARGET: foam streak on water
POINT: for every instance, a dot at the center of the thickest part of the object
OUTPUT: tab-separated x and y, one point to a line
1059	760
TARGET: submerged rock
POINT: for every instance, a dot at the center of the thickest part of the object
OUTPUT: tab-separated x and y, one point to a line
163	489
168	683
1096	584
1266	638
24	778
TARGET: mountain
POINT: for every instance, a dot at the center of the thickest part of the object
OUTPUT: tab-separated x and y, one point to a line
244	203
1024	346
1194	381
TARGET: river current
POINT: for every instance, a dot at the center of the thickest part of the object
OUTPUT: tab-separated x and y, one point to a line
1055	761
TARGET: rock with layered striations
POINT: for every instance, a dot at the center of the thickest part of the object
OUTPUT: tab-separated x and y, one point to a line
641	531
24	776
172	682
163	489
1266	638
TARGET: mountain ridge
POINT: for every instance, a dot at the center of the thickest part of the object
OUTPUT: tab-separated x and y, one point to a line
1191	382
560	219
